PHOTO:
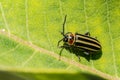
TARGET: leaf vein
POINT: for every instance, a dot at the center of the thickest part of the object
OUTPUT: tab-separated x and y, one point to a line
61	11
23	64
5	53
27	27
4	18
111	39
86	17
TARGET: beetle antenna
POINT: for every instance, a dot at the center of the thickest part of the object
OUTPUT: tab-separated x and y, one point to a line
59	42
63	33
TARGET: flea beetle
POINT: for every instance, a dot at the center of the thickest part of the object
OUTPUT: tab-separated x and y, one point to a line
84	42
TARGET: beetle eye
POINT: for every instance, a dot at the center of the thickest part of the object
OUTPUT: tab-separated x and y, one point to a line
65	39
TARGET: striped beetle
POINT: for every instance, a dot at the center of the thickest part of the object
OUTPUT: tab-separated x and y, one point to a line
84	42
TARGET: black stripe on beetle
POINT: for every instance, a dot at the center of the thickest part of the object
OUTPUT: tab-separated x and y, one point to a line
88	39
84	42
87	47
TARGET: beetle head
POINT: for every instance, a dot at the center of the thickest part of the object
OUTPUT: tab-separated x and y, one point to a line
68	38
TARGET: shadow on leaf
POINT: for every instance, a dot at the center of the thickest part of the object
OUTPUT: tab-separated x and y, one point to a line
4	75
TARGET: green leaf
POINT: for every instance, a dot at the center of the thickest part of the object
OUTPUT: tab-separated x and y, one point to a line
29	32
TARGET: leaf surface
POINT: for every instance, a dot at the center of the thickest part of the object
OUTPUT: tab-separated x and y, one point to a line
29	32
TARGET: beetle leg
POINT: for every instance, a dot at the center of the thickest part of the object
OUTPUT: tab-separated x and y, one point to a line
89	58
87	33
59	42
60	53
79	58
61	33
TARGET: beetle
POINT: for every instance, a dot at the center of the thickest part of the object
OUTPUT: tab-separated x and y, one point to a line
84	42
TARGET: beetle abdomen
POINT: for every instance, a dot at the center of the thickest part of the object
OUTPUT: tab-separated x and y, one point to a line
87	43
